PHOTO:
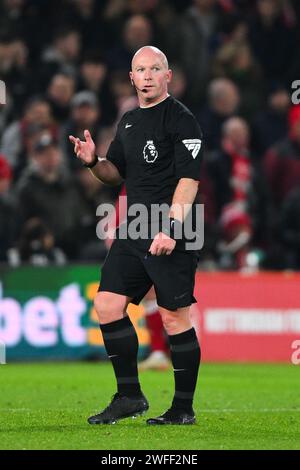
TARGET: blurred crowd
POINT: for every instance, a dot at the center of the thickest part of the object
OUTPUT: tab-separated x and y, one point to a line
65	64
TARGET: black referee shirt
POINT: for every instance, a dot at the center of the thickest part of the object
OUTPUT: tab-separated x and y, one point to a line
153	148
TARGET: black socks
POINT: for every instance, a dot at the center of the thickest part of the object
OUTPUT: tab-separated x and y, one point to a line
185	355
121	343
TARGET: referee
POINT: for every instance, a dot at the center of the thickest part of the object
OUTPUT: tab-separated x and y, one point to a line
157	152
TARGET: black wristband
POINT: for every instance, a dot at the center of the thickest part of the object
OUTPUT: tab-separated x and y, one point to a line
172	227
92	164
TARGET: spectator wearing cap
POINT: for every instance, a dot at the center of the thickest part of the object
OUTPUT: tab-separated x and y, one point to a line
47	192
282	162
8	219
85	114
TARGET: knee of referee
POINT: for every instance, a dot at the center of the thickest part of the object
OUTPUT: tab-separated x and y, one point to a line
176	321
109	307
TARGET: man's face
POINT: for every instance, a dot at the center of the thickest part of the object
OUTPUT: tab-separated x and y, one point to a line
238	136
227	100
6	56
137	32
39	113
268	9
70	45
85	115
150	76
62	89
94	72
48	161
280	101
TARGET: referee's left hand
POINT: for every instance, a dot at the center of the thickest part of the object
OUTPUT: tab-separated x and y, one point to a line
162	245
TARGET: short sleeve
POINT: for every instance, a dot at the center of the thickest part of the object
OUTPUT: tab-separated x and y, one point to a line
115	155
188	147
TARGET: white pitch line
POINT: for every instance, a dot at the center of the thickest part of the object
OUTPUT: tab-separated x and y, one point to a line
251	410
209	410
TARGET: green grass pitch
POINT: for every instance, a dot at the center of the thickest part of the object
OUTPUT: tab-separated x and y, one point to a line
45	406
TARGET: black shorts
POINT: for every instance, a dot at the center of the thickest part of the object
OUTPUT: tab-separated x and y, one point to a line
129	270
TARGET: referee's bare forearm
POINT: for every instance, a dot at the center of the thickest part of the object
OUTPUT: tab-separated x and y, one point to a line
107	173
183	198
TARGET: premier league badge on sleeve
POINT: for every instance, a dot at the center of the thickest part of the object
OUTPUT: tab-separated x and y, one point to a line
150	153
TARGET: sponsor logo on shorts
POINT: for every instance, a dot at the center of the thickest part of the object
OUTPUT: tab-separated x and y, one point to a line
180	296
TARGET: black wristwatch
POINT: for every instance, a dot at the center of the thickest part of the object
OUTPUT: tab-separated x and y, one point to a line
92	164
172	227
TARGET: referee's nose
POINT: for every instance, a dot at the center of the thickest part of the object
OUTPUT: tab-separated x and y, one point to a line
148	74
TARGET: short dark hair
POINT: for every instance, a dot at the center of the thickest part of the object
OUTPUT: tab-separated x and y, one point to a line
93	57
63	31
34	100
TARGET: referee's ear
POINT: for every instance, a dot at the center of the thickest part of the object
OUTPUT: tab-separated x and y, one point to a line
169	75
131	79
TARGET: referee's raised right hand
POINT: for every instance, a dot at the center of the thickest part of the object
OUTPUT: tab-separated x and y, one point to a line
85	151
